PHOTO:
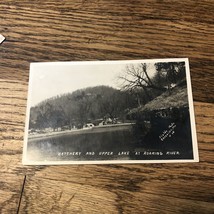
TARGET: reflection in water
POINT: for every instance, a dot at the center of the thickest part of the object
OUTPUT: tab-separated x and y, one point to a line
105	141
74	146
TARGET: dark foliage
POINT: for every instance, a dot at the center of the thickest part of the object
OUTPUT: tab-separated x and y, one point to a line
82	106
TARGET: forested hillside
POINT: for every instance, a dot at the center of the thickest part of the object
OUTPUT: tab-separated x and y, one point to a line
75	109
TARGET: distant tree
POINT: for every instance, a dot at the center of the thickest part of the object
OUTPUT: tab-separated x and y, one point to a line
69	108
110	105
49	115
84	102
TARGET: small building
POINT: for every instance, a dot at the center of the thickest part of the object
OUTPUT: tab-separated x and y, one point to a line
88	126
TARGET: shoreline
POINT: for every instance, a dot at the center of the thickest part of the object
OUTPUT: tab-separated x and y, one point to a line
95	129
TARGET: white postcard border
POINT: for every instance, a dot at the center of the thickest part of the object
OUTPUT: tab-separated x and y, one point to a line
191	111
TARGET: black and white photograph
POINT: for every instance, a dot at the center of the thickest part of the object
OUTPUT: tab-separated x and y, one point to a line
131	111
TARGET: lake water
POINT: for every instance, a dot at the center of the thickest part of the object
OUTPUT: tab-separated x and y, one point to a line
90	144
111	144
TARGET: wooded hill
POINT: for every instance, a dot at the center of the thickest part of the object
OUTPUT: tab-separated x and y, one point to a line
92	104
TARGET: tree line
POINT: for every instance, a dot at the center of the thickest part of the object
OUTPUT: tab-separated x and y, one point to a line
92	104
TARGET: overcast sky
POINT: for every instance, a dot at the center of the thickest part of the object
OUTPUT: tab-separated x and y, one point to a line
51	79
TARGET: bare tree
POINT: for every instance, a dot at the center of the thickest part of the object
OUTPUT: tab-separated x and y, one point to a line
137	77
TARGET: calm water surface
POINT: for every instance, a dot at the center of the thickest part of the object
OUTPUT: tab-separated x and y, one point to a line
63	147
92	143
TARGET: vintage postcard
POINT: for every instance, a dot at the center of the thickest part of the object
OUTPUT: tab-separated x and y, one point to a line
135	111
